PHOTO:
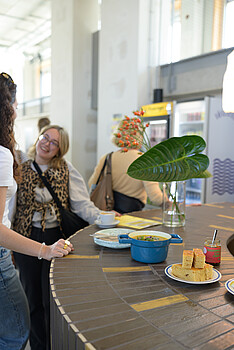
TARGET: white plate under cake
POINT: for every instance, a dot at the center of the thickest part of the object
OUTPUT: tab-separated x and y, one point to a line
215	278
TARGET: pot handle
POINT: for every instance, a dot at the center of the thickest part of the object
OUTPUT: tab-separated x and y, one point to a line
124	239
176	238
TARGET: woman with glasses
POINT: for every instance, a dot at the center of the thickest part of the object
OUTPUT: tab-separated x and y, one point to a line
37	216
14	314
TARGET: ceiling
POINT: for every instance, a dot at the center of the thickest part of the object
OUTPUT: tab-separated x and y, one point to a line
25	25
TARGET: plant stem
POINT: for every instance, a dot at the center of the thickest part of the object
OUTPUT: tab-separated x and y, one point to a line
175	204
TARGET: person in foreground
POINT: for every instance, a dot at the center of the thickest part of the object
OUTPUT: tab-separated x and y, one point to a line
38	217
14	314
129	194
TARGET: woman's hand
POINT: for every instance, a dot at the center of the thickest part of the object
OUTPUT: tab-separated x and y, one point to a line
57	250
116	213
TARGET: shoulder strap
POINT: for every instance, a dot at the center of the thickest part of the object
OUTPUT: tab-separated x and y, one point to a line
47	184
104	165
108	162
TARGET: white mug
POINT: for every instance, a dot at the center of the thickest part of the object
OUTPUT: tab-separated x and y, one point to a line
106	217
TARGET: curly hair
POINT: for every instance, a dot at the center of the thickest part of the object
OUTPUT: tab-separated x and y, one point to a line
7	98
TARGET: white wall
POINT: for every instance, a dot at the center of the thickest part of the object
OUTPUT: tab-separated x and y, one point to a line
26	131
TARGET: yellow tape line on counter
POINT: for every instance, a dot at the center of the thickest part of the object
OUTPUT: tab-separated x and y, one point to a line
126	269
214	205
152	304
226	217
74	256
222	228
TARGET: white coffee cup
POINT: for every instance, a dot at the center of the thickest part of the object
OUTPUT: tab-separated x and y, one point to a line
106	217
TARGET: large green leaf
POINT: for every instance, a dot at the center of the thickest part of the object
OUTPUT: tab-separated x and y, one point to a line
176	159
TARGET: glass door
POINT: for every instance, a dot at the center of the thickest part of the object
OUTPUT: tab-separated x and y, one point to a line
157	131
190	120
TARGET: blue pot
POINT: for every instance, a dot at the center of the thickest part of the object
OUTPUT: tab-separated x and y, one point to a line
147	251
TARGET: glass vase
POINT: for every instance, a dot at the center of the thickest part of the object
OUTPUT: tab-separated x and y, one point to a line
174	194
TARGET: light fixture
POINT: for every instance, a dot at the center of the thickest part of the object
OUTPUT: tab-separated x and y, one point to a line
228	83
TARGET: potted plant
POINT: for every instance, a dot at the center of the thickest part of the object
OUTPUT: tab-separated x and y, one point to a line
172	162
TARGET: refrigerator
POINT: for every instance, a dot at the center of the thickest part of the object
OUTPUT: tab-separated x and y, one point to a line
220	188
191	118
206	118
159	117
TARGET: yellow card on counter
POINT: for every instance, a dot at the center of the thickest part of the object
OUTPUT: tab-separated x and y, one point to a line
136	222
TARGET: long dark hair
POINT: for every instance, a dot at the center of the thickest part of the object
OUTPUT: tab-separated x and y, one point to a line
7	98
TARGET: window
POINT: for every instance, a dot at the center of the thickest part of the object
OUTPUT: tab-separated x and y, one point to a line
195	27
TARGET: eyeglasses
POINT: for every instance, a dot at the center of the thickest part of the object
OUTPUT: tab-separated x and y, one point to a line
45	138
7	77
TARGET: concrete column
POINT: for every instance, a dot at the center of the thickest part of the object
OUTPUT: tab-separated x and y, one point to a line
124	64
73	22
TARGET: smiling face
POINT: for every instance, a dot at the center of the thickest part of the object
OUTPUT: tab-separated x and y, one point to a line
47	146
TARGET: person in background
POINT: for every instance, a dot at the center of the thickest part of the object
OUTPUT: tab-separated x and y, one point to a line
129	194
14	315
42	122
37	216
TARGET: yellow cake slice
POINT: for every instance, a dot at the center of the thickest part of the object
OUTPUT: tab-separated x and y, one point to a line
193	274
208	271
187	259
199	258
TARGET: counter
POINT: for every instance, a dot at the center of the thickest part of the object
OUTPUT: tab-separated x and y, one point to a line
102	299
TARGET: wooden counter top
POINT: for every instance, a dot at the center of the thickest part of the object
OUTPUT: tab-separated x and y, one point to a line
102	299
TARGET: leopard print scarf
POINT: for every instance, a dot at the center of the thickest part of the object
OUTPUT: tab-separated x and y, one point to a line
26	202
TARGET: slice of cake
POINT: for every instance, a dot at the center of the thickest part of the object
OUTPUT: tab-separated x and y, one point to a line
208	271
199	258
193	274
187	259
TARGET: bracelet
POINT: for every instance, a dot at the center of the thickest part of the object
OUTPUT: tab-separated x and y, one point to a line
39	254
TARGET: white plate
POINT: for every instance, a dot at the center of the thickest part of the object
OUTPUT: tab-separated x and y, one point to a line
216	276
111	232
115	223
230	285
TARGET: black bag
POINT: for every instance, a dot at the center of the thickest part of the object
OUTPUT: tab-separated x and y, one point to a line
102	195
70	222
126	204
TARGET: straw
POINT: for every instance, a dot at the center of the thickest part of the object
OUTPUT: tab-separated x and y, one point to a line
214	236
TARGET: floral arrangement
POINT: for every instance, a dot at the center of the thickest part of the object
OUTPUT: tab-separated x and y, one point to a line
131	133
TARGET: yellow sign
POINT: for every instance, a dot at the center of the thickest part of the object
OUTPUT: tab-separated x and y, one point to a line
157	109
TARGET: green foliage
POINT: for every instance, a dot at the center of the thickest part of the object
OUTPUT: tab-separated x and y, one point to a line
176	159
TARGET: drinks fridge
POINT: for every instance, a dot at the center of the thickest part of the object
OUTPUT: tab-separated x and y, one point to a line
191	118
159	117
206	118
220	188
